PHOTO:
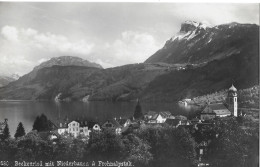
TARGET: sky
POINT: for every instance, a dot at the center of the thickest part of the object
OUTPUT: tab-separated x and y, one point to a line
110	34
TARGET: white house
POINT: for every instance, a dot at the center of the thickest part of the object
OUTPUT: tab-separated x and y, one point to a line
154	117
157	118
75	128
93	126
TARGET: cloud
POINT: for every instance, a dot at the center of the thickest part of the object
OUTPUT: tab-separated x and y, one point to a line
23	49
10	33
131	47
27	48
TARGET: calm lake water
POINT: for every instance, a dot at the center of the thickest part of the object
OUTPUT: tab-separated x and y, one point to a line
27	111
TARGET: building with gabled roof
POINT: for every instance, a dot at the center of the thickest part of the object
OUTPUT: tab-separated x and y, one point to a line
166	114
149	114
180	117
124	122
74	127
93	125
214	110
155	117
112	124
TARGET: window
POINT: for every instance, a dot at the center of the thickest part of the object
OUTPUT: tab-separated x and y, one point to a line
73	129
235	99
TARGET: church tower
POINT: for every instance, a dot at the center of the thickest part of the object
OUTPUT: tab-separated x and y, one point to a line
232	100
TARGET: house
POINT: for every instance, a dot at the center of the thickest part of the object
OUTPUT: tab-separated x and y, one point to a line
166	114
93	126
133	126
157	118
154	117
49	135
112	124
195	120
214	110
52	125
178	120
149	115
63	128
75	128
124	122
180	117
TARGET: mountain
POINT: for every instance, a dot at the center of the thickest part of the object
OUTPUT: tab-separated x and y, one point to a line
214	57
198	60
197	43
77	82
32	85
240	69
67	61
5	80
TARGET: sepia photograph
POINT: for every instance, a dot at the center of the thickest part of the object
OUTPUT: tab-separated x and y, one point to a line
129	84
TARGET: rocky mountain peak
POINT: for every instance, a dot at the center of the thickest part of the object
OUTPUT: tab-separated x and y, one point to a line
188	26
198	43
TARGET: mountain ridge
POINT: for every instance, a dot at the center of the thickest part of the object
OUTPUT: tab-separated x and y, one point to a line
198	60
195	44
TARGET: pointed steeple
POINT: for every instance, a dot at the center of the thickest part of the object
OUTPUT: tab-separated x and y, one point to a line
232	88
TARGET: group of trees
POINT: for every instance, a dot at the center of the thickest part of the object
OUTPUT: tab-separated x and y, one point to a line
249	97
148	146
232	142
6	133
42	123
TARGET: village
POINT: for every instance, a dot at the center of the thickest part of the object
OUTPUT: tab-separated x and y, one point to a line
82	128
120	125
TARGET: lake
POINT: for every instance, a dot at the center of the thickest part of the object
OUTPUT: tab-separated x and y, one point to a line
27	111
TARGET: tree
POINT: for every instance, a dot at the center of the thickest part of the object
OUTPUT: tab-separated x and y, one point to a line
36	124
32	147
6	133
41	123
105	146
169	146
19	131
234	146
137	150
138	111
8	148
